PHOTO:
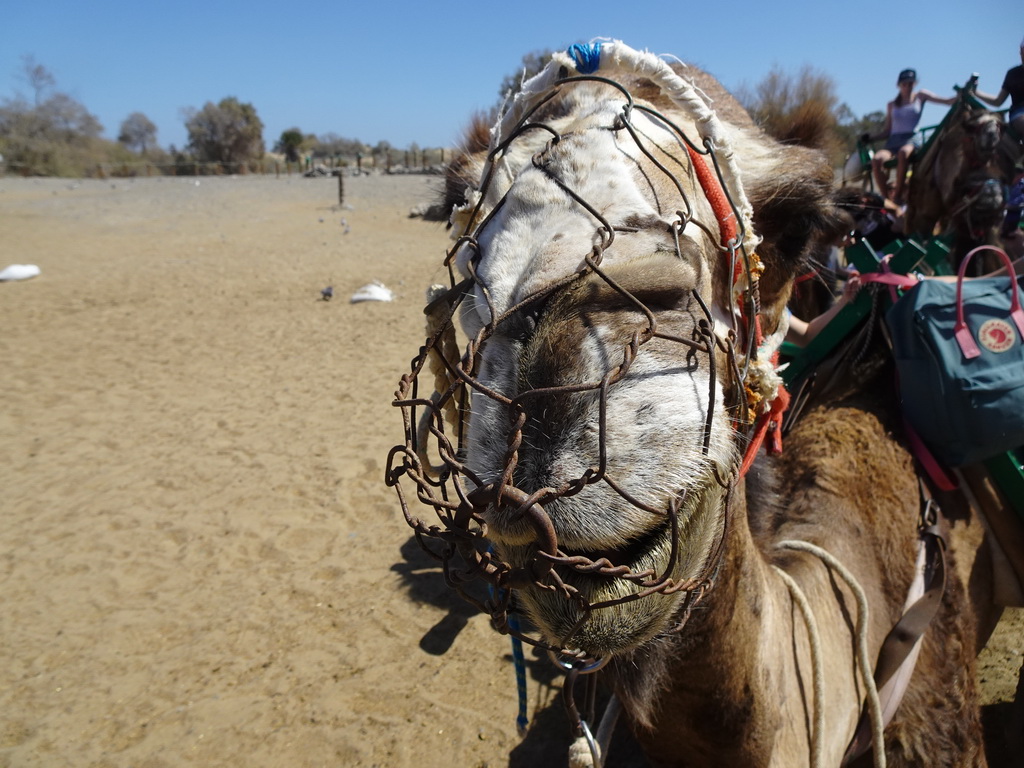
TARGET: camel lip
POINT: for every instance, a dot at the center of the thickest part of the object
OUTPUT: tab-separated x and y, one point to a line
596	579
630	555
610	577
590	568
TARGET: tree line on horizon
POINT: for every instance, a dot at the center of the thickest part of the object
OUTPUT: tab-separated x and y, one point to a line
53	134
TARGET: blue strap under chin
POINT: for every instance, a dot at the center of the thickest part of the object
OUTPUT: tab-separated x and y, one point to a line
587	57
518	663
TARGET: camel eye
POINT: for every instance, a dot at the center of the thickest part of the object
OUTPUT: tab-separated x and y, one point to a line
521	326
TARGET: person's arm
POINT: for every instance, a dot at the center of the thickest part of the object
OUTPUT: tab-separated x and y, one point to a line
801	332
1018	269
993	101
797	331
927	96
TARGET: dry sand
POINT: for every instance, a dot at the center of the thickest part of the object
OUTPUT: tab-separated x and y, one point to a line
200	562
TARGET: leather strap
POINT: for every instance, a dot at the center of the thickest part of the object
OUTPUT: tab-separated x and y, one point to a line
898	654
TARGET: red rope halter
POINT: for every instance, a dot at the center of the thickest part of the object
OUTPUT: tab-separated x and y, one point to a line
770	420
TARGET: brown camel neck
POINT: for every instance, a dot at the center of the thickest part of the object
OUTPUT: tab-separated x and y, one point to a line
725	713
736	687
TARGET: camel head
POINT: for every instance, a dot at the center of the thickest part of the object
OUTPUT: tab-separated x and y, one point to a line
984	130
626	257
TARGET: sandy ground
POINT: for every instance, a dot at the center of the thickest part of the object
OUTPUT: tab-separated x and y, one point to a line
200	562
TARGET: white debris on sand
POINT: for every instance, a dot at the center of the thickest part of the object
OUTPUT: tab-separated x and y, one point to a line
18	272
375	291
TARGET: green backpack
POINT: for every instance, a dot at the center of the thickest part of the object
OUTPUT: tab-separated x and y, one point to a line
959	350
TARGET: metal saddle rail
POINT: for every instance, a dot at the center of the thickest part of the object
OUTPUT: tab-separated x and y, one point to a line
907	256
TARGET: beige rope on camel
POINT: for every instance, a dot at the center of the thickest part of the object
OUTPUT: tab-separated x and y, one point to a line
816	664
590	751
439	324
863	662
582	753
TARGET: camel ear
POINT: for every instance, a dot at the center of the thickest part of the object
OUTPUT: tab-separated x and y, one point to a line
793	209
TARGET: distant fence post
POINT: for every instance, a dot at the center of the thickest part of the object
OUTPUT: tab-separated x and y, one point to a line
341	188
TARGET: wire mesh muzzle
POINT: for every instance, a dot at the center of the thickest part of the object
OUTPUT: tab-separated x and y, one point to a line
433	457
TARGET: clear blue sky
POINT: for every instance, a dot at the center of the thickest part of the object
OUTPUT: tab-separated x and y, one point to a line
414	71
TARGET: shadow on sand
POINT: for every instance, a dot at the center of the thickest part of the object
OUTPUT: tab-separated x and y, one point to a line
549	735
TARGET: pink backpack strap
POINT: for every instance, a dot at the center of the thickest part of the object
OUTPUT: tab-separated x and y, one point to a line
939	477
889	278
963	334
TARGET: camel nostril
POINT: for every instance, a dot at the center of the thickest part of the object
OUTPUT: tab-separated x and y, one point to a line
527	510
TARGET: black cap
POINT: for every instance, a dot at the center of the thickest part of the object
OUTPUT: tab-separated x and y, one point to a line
907	74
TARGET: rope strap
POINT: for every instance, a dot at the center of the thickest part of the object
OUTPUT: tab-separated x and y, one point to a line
898	654
816	664
874	707
768	423
719	203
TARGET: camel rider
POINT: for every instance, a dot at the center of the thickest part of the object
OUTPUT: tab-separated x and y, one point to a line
1013	86
902	115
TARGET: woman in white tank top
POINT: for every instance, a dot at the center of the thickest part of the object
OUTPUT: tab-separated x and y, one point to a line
901	117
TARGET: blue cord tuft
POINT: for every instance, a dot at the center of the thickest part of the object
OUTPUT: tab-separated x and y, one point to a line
587	57
522	722
518	662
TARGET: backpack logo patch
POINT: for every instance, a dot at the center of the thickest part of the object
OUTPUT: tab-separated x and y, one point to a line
996	335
